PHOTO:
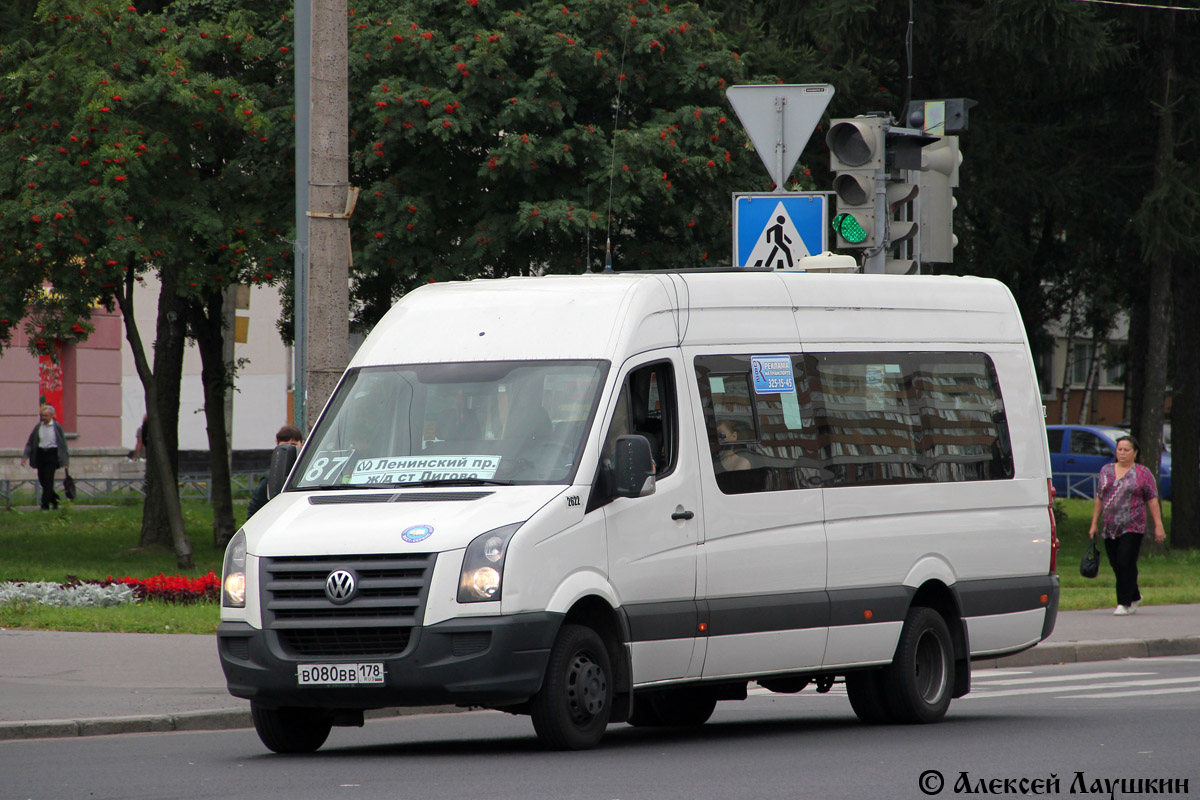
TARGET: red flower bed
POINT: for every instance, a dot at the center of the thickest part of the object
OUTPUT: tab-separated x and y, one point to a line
173	588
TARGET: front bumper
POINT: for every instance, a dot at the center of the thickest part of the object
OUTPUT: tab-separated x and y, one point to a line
483	661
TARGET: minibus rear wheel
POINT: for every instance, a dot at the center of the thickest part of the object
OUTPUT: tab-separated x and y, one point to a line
572	709
291	730
868	696
920	680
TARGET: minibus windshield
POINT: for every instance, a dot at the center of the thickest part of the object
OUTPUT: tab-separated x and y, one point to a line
466	423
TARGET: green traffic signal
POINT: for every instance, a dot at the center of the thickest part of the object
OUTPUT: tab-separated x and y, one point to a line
847	227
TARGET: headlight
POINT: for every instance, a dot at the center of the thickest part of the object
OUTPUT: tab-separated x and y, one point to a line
483	565
233	573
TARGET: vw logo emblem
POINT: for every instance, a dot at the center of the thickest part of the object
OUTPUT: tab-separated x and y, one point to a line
340	586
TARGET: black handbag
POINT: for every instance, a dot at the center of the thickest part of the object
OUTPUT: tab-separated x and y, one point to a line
68	485
1089	565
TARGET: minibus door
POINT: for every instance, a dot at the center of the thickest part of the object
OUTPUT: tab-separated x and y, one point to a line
653	539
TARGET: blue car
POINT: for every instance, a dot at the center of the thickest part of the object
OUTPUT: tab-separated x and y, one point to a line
1077	452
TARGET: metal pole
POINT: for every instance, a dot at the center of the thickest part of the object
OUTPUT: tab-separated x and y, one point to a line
303	45
780	146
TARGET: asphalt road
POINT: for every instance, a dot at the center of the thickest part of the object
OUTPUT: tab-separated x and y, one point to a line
1131	719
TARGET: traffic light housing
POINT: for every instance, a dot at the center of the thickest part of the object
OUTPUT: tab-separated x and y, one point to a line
856	157
938	179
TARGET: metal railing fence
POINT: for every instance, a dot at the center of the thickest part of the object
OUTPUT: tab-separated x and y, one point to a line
193	486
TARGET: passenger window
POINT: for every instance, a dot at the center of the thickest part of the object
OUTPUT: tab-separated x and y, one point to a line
646	407
964	433
854	419
872	428
1054	441
761	439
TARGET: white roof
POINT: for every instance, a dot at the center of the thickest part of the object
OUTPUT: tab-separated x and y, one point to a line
615	315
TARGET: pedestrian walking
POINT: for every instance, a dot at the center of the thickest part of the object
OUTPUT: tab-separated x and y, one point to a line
46	451
1124	491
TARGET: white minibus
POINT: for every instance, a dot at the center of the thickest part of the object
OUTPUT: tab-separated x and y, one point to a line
622	498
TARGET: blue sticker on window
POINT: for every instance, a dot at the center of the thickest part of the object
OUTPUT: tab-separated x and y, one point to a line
417	533
772	374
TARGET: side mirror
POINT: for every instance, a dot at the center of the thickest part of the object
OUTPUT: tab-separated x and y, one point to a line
633	467
283	458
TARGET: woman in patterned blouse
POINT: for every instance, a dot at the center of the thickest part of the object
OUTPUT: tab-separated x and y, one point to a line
1123	493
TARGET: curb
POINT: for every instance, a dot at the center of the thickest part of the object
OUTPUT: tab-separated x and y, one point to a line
213	720
1078	652
232	718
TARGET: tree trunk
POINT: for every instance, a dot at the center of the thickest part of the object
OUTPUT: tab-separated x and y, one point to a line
207	325
1154	390
157	461
1158	308
1089	386
169	340
1065	393
1185	409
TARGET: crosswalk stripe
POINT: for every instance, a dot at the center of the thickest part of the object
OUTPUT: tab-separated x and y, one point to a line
1058	678
1073	690
1179	690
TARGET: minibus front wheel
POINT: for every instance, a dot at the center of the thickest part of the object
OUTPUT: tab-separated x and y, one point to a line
291	730
572	709
920	680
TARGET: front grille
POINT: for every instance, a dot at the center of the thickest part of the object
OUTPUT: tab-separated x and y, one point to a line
377	621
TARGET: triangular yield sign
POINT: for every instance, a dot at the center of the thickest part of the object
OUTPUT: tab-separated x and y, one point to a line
800	106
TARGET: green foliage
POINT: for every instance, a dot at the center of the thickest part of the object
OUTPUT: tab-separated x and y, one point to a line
486	137
137	141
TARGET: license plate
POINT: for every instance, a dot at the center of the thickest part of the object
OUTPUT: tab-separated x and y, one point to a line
339	674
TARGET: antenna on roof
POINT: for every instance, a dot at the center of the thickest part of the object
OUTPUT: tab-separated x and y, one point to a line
612	164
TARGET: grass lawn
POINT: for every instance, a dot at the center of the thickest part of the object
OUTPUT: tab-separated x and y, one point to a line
93	543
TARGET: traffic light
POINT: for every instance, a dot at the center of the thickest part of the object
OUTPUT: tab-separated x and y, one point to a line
902	191
856	157
938	179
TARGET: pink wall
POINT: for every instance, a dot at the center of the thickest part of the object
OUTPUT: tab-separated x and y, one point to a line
91	387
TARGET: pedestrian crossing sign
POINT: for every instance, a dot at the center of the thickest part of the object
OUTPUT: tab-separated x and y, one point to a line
773	230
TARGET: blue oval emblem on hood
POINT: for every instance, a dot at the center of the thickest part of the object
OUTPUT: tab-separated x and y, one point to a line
417	533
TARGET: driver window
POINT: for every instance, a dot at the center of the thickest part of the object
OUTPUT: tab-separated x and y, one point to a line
646	407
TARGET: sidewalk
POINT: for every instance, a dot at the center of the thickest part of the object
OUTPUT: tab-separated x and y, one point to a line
57	684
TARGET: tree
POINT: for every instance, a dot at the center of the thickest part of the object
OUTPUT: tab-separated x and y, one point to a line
500	138
124	155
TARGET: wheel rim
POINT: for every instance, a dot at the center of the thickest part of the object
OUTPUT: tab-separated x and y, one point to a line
587	688
930	667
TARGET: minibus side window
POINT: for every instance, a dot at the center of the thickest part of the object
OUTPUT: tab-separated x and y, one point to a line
964	430
870	427
646	407
854	419
761	439
911	417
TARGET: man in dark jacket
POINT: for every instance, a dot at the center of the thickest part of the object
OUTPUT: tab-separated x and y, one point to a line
288	434
46	451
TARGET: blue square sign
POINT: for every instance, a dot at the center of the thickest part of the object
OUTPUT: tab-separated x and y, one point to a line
773	230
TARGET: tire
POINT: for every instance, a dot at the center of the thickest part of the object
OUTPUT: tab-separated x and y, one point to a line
920	680
291	730
868	697
572	709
